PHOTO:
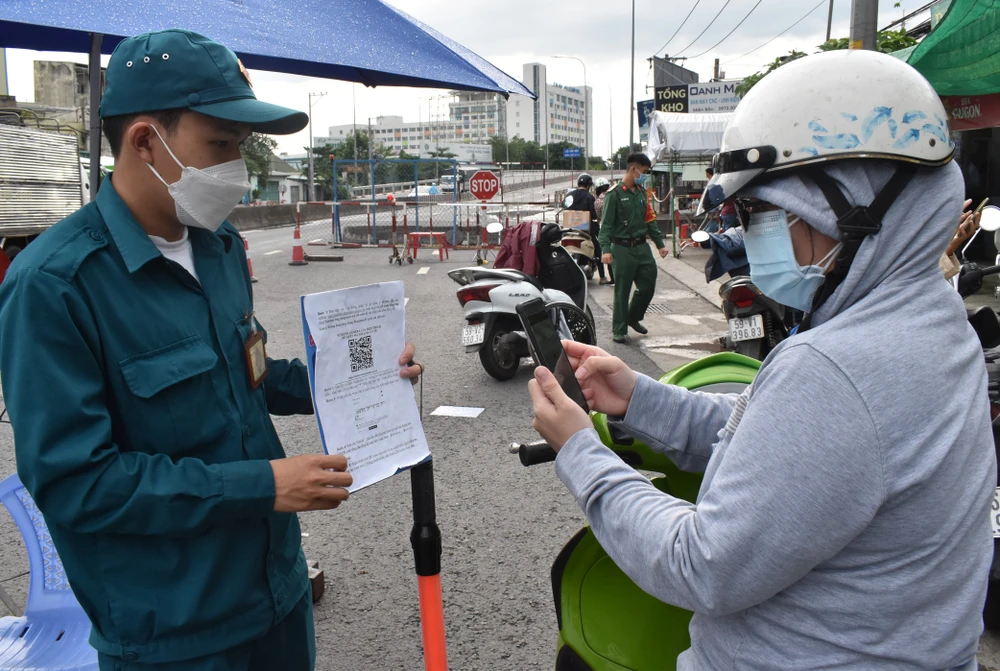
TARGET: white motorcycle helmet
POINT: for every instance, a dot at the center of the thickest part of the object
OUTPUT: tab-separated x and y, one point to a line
831	106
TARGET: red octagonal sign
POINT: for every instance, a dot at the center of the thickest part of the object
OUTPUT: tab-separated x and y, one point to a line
484	185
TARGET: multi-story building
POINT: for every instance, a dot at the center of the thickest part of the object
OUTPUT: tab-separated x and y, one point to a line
560	114
62	95
422	138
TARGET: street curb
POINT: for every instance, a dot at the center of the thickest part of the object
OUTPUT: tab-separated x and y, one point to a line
691	278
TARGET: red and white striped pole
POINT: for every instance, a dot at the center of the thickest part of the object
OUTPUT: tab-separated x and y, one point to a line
246	247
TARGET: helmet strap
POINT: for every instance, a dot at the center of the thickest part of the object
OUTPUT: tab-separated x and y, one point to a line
855	224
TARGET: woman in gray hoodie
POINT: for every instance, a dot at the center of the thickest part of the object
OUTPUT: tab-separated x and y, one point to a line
843	517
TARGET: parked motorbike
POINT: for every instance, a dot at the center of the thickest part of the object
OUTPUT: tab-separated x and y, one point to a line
576	237
756	323
580	246
985	322
489	297
606	622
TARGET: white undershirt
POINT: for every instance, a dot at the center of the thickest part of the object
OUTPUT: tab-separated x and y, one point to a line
180	252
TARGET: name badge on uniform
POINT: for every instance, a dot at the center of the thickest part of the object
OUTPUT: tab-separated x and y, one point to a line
256	356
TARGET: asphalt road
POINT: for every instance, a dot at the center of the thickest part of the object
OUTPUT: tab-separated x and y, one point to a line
502	524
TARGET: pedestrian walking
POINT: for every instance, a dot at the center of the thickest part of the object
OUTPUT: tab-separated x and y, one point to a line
625	226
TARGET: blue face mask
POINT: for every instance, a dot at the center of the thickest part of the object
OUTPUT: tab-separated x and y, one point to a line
641	180
773	268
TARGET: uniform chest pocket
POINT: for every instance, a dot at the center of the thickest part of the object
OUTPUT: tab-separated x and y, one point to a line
174	406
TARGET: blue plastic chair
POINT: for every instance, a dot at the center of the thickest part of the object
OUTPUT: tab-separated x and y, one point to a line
52	634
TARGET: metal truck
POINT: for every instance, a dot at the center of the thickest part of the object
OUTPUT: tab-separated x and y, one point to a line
42	180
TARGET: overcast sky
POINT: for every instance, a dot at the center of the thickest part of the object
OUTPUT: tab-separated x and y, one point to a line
515	32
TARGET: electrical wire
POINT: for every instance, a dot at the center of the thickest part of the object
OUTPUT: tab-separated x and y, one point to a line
804	16
730	32
706	28
663	48
909	16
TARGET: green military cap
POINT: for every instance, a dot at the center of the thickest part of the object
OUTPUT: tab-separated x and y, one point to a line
172	69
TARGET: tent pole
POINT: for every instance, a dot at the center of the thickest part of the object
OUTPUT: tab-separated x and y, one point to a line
95	117
670	209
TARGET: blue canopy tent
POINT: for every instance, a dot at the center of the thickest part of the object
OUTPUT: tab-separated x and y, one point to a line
364	41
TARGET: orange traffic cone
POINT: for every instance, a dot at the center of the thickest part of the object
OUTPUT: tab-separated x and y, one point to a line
298	258
246	246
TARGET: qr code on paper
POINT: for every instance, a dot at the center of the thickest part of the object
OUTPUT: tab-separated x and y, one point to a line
361	354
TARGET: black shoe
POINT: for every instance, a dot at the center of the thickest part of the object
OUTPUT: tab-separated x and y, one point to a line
621	340
639	328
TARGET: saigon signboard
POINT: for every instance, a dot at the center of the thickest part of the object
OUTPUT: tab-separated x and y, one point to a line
972	112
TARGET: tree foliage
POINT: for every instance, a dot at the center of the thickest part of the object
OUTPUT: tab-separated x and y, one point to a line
532	154
887	41
621	155
257	151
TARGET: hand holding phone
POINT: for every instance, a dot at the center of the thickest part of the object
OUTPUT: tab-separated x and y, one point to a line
546	348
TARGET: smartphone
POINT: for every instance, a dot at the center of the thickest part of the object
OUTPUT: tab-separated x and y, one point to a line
981	206
546	348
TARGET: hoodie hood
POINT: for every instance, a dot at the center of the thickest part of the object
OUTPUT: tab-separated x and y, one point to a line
915	230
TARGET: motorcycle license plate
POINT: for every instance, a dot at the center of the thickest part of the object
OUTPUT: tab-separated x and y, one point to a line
995	513
746	328
473	334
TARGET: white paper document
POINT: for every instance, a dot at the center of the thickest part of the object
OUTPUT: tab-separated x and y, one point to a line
364	409
457	411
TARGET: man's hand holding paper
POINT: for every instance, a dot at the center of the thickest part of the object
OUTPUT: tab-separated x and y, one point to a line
365	409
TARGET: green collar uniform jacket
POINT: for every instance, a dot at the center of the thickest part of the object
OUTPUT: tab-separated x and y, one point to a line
140	438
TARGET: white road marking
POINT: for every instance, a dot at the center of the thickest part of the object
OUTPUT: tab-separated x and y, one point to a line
455	411
405	301
424	270
276	251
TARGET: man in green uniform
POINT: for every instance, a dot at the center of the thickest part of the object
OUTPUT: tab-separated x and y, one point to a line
625	224
132	368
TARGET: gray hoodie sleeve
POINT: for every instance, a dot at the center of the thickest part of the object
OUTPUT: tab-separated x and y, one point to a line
800	477
681	424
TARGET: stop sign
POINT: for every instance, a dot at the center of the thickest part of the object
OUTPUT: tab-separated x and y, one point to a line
484	185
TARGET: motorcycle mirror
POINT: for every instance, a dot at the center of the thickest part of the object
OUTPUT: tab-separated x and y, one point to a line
989	219
568	203
700	236
494	227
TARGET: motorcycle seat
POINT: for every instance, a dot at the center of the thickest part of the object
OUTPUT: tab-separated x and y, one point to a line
986	324
530	279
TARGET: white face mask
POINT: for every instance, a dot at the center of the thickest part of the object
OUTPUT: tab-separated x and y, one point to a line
204	197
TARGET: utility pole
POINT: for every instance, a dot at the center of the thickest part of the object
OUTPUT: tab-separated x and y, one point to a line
631	89
611	127
310	191
716	74
502	109
829	21
354	125
864	24
586	110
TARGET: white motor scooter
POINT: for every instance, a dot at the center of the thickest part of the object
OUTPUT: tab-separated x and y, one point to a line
489	297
